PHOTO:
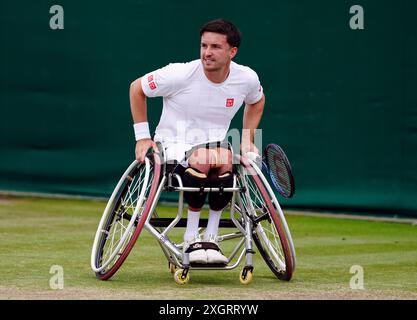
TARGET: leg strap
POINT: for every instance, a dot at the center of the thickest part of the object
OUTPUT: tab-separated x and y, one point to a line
202	245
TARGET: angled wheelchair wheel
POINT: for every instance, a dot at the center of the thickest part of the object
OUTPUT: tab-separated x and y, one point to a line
270	232
124	216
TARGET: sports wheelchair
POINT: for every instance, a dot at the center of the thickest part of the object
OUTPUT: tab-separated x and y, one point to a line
255	215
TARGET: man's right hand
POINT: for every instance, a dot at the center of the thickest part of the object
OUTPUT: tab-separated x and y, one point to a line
142	146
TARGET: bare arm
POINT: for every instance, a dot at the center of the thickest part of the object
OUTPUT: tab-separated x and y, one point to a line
138	102
138	109
251	118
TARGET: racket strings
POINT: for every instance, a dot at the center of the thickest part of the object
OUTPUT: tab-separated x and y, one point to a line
280	171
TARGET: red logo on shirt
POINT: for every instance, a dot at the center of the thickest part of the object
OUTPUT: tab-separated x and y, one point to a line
152	85
150	78
230	102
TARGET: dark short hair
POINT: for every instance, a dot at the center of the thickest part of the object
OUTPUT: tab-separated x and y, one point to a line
225	27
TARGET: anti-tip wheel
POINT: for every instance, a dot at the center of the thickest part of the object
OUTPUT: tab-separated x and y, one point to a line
180	278
246	276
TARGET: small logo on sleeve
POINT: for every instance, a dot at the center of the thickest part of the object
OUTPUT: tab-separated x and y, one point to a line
151	82
230	102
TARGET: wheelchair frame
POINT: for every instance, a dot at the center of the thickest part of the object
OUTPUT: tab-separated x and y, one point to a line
248	224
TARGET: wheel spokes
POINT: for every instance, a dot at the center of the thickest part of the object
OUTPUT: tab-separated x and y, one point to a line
119	228
266	230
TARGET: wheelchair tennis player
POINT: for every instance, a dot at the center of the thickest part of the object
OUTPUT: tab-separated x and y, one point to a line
200	98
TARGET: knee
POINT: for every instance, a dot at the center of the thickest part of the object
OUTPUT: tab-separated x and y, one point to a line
196	179
219	200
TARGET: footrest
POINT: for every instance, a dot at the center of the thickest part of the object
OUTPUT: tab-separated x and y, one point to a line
208	265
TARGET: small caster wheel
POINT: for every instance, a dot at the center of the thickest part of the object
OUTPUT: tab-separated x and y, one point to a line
172	267
181	276
246	275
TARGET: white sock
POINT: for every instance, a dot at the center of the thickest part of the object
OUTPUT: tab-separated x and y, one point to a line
213	223
192	225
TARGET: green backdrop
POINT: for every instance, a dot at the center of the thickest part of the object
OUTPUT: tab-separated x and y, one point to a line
340	102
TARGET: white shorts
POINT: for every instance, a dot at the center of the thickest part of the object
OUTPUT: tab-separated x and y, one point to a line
177	151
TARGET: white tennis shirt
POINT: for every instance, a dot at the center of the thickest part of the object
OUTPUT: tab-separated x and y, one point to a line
196	110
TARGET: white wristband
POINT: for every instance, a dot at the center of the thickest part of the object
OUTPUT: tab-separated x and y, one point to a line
141	131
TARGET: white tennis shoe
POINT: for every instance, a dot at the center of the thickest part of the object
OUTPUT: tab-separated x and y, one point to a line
214	255
196	252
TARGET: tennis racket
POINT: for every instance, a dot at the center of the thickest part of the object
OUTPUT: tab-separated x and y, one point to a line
279	169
